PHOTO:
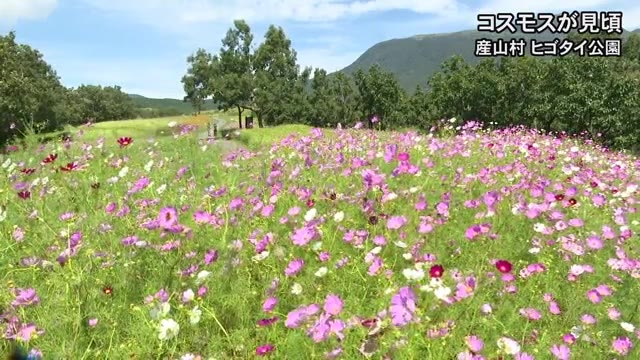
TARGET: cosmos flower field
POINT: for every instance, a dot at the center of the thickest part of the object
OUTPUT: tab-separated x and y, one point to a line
333	244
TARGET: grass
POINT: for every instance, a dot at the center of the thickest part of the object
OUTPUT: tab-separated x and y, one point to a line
143	128
259	138
323	244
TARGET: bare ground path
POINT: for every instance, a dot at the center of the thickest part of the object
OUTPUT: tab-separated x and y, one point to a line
225	146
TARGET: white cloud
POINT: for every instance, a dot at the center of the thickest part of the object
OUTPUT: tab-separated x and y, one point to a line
197	23
12	11
631	18
203	11
326	59
496	6
630	9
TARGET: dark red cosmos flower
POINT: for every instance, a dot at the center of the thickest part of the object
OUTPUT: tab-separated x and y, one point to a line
369	323
24	194
310	203
594	184
373	220
267	321
559	197
27	171
436	271
69	167
614	191
332	196
95	186
490	145
107	290
503	266
124	141
49	159
572	201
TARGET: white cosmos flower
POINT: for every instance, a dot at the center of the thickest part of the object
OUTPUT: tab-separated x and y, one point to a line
160	311
123	172
148	166
296	289
202	276
338	217
311	214
188	295
442	292
391	196
261	256
413	274
376	250
539	227
169	329
534	250
508	346
627	327
194	315
433	284
321	272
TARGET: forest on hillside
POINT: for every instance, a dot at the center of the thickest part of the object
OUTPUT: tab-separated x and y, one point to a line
598	97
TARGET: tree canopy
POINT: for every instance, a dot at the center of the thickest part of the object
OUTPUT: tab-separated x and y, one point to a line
596	96
33	99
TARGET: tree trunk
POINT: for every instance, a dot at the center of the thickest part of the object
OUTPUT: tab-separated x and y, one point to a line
239	117
260	124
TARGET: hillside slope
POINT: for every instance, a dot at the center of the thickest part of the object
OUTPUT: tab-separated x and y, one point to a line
413	60
166	104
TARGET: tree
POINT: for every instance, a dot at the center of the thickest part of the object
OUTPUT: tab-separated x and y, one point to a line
418	109
197	83
522	95
343	90
380	94
31	96
276	73
104	103
297	108
449	88
236	80
631	47
324	106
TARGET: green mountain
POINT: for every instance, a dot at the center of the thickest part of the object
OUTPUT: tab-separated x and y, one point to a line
168	104
413	60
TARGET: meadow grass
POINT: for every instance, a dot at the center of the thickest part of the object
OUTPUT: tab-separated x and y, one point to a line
324	244
144	128
259	138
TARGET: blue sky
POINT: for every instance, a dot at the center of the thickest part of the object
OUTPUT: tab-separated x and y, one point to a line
142	45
